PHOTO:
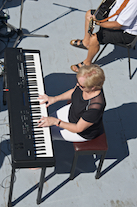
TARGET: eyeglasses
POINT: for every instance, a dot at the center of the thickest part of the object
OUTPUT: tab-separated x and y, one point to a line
81	85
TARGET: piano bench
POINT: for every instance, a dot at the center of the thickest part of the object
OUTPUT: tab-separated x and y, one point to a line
94	146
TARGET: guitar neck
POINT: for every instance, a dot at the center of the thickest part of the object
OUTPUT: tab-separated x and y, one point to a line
96	11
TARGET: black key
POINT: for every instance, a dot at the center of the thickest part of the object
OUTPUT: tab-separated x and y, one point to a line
32	81
31	76
37	133
30	70
35	117
34	125
29	57
37	110
33	89
34	95
35	103
29	64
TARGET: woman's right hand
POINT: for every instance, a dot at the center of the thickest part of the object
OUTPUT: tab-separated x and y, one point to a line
49	100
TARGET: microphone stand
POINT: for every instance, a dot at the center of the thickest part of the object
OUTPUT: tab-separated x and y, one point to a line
19	31
19	38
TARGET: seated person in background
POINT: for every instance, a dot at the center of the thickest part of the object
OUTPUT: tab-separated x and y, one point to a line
121	28
80	120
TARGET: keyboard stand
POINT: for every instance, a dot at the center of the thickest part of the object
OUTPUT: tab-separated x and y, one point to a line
42	176
11	187
19	31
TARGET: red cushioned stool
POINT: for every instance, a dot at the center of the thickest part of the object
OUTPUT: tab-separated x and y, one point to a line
94	146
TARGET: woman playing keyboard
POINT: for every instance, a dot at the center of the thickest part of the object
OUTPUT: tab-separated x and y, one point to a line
81	120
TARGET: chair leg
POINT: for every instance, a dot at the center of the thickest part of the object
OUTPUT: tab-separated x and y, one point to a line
73	166
129	63
100	165
100	53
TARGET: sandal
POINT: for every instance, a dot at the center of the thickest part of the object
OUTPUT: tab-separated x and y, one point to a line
77	67
74	43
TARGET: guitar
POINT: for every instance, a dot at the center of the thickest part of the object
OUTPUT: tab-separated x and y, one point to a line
101	13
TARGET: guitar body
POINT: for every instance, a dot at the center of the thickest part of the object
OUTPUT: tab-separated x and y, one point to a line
101	13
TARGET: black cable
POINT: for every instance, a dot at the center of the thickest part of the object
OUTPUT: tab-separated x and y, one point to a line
2	137
7	34
3	4
6	44
1	68
2	183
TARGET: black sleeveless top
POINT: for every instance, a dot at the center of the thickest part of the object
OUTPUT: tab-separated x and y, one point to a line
90	110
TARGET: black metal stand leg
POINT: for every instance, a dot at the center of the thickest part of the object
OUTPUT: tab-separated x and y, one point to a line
17	41
100	53
41	185
100	165
4	87
129	63
73	166
11	187
19	31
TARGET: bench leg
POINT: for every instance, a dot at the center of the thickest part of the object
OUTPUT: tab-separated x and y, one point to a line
97	176
73	166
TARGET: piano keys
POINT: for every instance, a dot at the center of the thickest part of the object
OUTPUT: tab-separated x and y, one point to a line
31	146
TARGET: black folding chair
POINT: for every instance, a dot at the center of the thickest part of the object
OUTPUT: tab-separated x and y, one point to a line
128	46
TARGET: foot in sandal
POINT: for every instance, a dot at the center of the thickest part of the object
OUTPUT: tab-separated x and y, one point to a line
75	68
78	43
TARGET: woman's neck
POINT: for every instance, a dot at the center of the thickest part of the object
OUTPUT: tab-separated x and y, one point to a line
90	94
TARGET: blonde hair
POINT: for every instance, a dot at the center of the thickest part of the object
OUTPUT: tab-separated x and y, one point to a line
94	76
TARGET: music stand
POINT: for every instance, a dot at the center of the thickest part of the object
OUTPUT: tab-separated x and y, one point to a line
19	31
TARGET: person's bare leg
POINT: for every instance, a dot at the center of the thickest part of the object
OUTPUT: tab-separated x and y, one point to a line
94	47
86	35
91	42
86	39
92	51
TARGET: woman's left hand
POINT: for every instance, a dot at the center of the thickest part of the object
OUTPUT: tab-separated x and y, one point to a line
47	121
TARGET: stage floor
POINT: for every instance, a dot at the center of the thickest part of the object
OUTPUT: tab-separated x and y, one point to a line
62	21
